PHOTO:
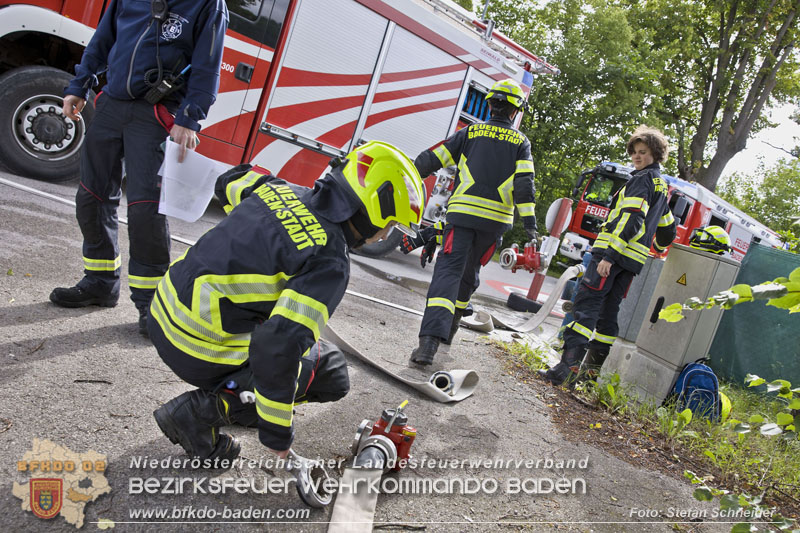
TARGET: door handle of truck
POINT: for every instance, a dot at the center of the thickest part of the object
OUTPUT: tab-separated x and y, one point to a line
244	72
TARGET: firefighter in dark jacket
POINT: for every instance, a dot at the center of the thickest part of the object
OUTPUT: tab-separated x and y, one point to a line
639	217
240	314
145	49
495	173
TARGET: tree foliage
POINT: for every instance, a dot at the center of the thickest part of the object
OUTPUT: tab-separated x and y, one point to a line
702	70
723	61
772	196
585	114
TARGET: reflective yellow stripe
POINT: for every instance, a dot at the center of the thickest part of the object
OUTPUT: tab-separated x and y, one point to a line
633	250
460	202
636	246
581	330
190	320
465	179
461	305
235	188
238	288
477	201
605	339
102	265
526	210
303	310
143	282
666	220
506	192
206	351
611	240
442	302
634	203
444	156
621	223
440	227
524	165
480	213
277	413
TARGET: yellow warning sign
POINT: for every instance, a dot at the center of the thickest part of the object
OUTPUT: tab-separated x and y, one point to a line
682	280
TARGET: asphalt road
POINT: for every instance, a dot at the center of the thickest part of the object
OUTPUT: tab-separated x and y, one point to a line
86	380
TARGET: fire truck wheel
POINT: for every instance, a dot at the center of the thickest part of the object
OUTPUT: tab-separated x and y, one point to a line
382	248
36	139
518	302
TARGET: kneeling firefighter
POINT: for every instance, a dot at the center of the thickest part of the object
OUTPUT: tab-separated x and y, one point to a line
240	314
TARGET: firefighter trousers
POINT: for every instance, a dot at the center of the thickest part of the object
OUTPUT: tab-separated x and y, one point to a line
596	306
132	130
323	375
456	276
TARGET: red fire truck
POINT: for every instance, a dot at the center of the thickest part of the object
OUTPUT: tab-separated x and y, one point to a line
301	80
692	206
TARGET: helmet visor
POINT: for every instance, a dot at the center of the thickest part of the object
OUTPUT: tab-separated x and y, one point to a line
410	231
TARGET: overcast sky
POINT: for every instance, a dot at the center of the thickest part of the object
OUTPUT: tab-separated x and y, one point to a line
786	136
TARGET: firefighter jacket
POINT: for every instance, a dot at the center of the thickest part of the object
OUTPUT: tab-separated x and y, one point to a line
640	213
258	288
495	172
129	43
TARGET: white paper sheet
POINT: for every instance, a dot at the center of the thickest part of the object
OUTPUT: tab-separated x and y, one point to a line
187	188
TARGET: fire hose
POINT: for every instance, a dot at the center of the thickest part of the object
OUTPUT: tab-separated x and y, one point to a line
313	480
378	448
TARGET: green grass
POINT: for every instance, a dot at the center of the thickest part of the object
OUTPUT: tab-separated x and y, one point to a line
738	460
748	459
531	358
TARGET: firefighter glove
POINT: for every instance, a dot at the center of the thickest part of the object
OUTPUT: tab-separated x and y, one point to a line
427	253
424	236
411	243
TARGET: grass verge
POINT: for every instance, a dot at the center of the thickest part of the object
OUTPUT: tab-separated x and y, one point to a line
731	457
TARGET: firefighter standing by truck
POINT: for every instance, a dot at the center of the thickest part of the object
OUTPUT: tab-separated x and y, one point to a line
495	173
243	309
160	59
640	217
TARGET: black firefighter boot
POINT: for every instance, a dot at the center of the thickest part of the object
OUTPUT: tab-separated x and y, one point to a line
454	326
567	369
192	420
424	353
592	363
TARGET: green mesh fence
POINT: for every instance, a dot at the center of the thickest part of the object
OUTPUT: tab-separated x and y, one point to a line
754	338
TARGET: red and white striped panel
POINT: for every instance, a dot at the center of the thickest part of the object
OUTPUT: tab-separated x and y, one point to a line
413	106
237	98
319	93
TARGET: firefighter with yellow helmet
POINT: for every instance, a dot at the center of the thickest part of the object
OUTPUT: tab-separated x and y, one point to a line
495	174
240	314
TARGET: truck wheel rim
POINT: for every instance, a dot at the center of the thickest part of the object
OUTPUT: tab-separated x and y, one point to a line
42	130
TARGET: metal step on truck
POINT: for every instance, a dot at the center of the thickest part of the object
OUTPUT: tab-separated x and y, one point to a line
301	81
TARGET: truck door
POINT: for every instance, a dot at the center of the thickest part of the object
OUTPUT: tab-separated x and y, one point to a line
416	100
315	101
253	32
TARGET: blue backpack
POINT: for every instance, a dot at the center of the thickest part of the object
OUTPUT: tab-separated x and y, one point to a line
697	388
